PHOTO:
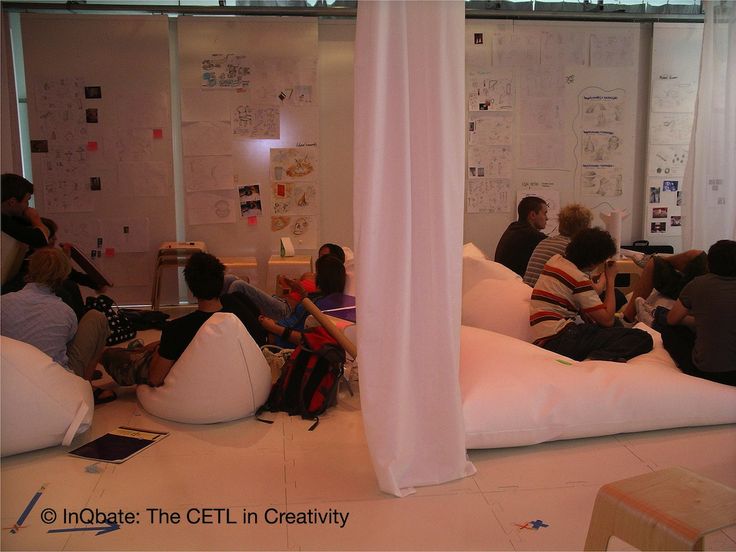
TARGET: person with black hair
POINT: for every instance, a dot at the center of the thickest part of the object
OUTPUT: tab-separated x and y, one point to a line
564	291
18	219
521	237
204	274
330	278
710	300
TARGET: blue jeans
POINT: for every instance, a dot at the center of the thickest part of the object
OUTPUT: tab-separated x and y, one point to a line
268	305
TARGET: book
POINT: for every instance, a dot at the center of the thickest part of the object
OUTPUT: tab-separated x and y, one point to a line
88	267
119	445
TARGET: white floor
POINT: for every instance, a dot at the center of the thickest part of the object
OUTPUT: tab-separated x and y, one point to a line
251	466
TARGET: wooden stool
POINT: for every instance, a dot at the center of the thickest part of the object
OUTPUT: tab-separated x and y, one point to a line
172	254
245	268
671	509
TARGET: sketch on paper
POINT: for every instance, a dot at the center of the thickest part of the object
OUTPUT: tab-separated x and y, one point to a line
206	138
489	161
212	207
602	111
488	195
65	126
126	235
611	50
67	194
667	160
67	159
490	128
295	198
602	181
284	81
541	115
542	82
601	147
255	121
211	172
225	71
563	48
518	48
134	144
204	105
670	94
302	229
66	93
80	231
670	128
289	164
539	151
145	179
486	93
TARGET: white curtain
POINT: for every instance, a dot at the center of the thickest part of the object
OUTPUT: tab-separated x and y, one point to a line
408	205
710	178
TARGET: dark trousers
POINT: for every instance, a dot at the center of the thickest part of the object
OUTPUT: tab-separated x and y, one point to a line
581	341
679	342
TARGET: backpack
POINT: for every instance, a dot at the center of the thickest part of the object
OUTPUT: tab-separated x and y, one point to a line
308	382
121	328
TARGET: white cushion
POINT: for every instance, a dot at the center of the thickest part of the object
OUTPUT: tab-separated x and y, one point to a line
473	251
515	393
41	401
476	268
499	305
221	376
13	253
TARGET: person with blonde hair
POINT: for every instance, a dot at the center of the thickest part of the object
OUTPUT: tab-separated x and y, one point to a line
35	315
572	219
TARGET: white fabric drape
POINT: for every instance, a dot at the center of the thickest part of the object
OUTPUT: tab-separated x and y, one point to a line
408	205
710	178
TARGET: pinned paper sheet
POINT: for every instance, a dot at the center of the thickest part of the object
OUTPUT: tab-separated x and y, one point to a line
252	221
287	248
158	133
91	146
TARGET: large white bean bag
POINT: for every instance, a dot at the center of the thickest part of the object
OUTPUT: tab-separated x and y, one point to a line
515	393
476	268
43	405
499	305
221	376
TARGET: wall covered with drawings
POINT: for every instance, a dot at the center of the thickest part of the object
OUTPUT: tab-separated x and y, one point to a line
554	110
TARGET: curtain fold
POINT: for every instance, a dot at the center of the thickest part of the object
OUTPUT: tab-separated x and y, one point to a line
710	177
408	206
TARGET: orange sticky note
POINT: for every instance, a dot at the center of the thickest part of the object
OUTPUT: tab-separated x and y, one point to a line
252	221
109	252
280	190
91	146
158	133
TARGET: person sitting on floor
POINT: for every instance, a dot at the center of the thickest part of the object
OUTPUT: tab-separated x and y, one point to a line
35	315
668	275
281	307
710	351
521	237
204	274
330	278
564	291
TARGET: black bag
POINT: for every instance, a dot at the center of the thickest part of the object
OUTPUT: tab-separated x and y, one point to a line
121	329
145	319
309	380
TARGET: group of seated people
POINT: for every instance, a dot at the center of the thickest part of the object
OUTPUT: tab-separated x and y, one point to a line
43	313
573	302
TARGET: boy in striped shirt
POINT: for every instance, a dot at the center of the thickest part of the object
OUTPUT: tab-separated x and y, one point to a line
564	291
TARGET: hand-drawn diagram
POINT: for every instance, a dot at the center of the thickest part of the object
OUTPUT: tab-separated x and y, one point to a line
602	181
281	81
488	93
667	160
601	147
134	144
602	111
489	161
670	128
63	93
670	94
225	71
255	121
212	207
540	151
562	48
295	198
516	49
611	50
80	231
541	115
63	126
206	138
67	194
490	128
145	179
302	229
489	195
211	172
290	164
542	82
66	159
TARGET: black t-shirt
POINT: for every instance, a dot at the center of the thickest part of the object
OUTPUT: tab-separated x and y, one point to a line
516	246
178	334
21	230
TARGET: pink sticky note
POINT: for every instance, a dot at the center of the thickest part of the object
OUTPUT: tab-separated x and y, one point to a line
252	221
109	252
158	133
280	190
91	146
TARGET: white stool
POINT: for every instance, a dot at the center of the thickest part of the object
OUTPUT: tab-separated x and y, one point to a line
245	268
172	254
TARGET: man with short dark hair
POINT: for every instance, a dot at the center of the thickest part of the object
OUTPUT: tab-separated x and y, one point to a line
564	291
521	237
18	219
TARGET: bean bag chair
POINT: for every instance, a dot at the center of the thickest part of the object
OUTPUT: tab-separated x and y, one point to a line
43	404
499	305
476	268
221	376
514	393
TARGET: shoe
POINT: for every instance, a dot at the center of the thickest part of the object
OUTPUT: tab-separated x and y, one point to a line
98	391
644	311
135	344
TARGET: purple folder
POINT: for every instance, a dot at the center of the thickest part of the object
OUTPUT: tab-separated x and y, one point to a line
338	305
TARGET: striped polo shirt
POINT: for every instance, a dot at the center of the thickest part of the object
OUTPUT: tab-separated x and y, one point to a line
543	253
562	292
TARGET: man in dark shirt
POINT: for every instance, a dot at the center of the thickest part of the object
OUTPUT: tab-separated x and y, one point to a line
521	237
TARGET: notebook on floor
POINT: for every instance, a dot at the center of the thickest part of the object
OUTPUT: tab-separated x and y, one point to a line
119	445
